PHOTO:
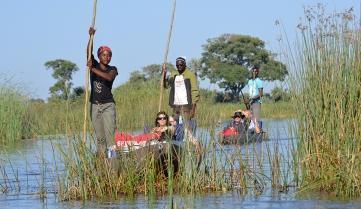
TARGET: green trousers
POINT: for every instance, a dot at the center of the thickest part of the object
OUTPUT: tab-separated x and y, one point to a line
103	117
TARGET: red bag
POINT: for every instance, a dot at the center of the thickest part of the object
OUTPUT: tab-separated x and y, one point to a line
231	131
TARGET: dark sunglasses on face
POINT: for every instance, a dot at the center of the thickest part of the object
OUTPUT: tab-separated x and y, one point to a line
180	65
161	118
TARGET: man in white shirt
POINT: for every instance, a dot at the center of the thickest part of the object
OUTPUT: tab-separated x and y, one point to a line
184	92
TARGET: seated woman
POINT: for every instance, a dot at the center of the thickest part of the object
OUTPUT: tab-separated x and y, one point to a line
238	128
238	122
254	124
235	130
163	128
160	132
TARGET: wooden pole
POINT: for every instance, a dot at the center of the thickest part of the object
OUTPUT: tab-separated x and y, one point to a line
166	56
87	74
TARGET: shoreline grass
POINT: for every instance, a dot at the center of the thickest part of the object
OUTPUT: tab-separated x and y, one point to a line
327	82
22	118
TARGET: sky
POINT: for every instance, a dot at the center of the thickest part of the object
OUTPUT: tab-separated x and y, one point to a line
37	31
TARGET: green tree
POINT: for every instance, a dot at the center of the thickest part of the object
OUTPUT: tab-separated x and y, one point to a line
149	72
280	94
195	65
77	92
62	72
226	60
136	77
154	71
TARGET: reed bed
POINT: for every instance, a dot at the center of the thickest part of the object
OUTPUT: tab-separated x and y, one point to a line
136	107
214	167
22	118
326	76
54	118
13	109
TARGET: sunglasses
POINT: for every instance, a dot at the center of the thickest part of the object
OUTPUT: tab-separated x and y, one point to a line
180	65
161	118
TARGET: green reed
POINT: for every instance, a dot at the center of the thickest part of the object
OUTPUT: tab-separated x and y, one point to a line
211	167
326	76
136	106
55	117
13	108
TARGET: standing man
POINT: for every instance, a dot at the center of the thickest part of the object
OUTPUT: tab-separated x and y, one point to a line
184	92
103	114
255	93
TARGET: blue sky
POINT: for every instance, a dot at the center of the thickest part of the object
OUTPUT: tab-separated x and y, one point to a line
33	32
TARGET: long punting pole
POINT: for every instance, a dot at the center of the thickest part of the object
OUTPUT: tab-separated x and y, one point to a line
166	56
87	74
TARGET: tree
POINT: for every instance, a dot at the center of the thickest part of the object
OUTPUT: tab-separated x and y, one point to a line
149	72
226	60
195	65
62	72
136	77
77	92
154	70
280	94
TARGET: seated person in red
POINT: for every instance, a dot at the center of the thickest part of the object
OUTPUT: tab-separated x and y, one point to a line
160	132
237	127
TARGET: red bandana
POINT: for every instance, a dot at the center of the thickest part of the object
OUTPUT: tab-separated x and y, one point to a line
103	49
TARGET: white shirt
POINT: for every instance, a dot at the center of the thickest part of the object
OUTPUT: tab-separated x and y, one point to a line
180	91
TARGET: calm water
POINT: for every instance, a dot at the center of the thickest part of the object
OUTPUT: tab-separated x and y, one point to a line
22	171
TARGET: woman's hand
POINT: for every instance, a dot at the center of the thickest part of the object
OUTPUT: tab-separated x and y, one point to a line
90	64
159	129
91	31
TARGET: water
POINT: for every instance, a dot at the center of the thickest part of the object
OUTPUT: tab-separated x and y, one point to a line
30	168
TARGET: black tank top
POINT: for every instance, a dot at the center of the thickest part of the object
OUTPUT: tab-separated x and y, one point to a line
101	89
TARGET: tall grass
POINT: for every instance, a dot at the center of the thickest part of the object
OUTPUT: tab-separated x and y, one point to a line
13	108
326	74
137	104
22	118
53	118
214	167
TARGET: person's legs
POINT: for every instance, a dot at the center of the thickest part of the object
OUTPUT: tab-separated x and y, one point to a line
256	113
256	110
179	132
192	124
109	123
182	114
97	120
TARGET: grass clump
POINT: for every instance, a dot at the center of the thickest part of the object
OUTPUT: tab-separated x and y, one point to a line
13	115
327	80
